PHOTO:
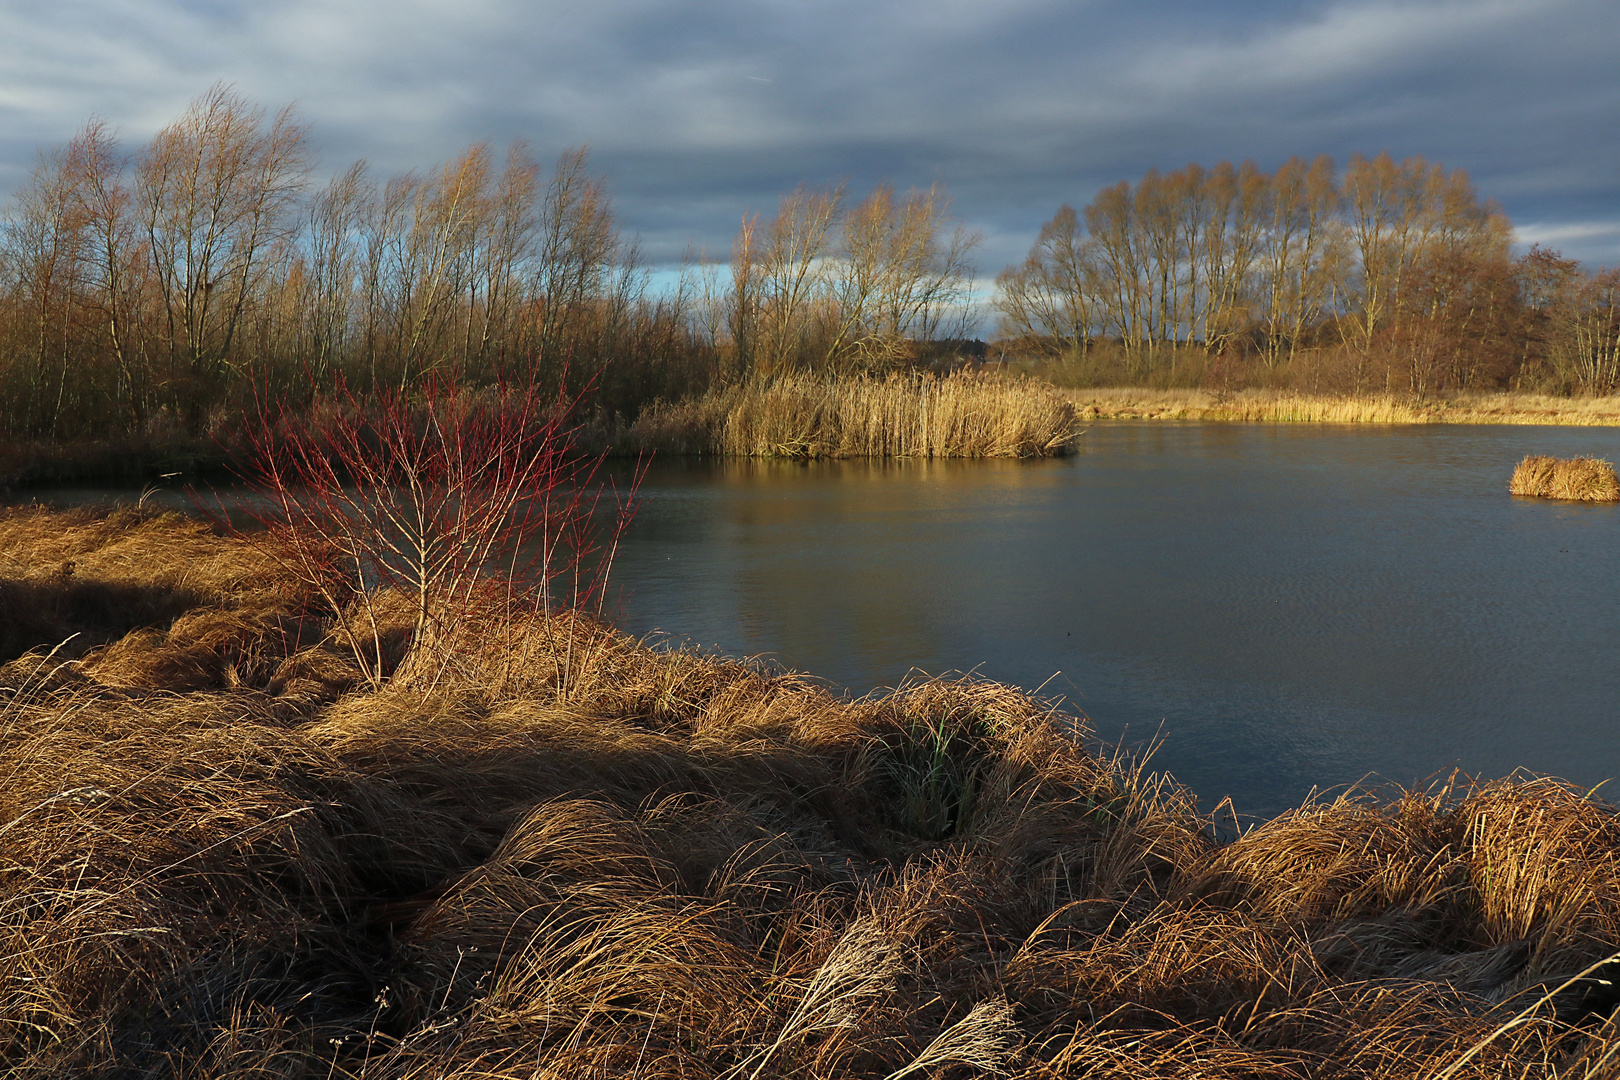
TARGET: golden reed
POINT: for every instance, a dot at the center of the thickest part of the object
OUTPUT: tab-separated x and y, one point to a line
1582	479
904	415
1126	403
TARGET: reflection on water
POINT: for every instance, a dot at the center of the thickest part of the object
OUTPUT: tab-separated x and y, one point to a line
1286	606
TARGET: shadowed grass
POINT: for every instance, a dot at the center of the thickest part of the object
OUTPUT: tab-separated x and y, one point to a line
582	857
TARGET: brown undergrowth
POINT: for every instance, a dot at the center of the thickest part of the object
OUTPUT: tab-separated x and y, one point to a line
224	853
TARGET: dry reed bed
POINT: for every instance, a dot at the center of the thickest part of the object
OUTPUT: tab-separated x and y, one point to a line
960	415
1582	479
1125	403
581	857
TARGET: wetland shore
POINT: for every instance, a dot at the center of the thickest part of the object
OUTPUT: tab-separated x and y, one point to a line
235	845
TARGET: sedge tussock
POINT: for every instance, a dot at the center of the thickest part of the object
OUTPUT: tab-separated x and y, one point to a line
225	853
1579	479
1337	862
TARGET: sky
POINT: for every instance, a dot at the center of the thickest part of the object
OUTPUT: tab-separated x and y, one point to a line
699	112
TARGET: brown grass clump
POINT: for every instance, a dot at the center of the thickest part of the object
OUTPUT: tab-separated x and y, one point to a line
1582	479
959	415
577	856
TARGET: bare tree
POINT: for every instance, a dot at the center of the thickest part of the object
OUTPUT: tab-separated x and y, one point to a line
1127	292
791	265
215	189
578	249
745	293
1390	212
1050	295
335	220
46	241
504	244
119	274
900	277
1237	199
436	257
1587	333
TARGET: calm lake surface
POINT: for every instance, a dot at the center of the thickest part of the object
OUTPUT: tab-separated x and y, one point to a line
1284	606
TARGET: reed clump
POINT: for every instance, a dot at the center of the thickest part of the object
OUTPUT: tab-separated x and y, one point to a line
902	415
1582	479
579	856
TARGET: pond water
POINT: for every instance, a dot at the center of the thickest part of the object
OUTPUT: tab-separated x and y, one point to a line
1281	607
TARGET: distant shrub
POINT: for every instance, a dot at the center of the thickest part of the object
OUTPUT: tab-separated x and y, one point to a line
1582	478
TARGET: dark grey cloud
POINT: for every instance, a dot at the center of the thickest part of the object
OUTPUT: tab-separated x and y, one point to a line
700	111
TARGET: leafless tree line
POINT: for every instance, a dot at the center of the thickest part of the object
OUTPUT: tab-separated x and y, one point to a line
153	289
1397	269
831	286
146	288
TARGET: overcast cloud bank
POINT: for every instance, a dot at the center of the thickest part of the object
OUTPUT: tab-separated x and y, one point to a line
700	111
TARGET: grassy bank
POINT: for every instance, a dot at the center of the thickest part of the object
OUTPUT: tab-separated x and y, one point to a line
961	415
1126	403
221	855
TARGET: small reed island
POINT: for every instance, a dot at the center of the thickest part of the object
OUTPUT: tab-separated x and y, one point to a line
240	839
1581	479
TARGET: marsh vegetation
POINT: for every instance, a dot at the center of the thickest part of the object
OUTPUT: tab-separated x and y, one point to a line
900	416
1581	479
230	849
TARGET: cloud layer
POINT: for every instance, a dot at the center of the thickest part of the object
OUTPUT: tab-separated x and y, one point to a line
700	111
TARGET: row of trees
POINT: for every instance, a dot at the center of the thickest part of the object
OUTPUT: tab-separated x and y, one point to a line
838	287
1397	265
151	288
156	288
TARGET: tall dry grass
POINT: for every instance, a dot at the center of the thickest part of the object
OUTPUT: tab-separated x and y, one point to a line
1286	406
1582	479
902	415
582	857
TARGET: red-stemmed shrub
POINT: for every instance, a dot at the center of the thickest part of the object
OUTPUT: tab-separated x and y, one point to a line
454	505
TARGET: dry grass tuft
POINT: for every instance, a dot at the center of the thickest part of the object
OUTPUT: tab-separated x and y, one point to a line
1582	479
581	857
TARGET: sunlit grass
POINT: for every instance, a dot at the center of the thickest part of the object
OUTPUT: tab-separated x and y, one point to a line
1291	407
954	416
1582	479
